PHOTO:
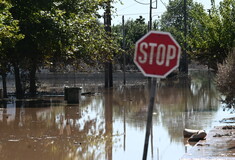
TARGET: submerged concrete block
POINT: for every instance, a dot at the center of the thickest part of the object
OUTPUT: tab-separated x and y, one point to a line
72	94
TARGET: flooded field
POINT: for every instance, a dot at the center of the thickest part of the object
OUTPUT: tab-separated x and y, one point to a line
109	124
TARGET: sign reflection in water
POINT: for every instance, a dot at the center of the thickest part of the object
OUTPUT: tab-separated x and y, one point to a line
109	125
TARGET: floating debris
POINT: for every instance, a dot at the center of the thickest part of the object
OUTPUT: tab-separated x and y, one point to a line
203	144
228	127
222	135
14	140
194	135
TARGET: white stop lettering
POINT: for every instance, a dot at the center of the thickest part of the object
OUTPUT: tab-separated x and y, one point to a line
163	53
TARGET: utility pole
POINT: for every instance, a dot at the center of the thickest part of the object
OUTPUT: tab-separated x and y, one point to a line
184	63
108	65
123	47
152	89
150	15
150	24
149	29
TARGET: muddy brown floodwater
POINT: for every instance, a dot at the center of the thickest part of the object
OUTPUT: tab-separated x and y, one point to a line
110	124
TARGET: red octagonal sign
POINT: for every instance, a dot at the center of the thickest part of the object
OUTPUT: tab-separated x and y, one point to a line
157	54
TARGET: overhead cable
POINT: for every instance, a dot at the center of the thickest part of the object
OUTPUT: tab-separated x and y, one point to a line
143	3
164	3
127	7
130	14
179	3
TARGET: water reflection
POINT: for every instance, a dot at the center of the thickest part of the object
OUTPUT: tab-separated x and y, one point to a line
109	125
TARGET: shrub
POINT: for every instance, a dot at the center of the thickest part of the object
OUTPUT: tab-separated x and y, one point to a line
225	79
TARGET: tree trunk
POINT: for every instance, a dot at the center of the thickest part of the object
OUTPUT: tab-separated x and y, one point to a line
18	84
32	85
110	74
4	85
106	74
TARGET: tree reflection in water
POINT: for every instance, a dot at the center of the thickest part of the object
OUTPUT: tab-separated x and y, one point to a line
48	130
109	125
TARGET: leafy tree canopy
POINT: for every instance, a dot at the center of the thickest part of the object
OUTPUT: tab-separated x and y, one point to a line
213	36
58	32
8	26
134	30
210	35
9	33
63	30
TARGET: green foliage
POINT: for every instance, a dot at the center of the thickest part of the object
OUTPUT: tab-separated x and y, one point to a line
210	35
9	34
173	19
8	26
60	32
225	79
134	30
86	38
213	39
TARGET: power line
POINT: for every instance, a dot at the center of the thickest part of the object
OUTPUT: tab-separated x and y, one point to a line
164	3
179	3
130	14
143	3
127	7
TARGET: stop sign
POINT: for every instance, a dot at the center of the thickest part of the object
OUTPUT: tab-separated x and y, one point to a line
157	54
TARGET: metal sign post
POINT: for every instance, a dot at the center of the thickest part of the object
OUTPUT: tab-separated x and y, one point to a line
150	116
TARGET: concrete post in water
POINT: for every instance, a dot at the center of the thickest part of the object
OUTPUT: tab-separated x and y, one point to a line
72	95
